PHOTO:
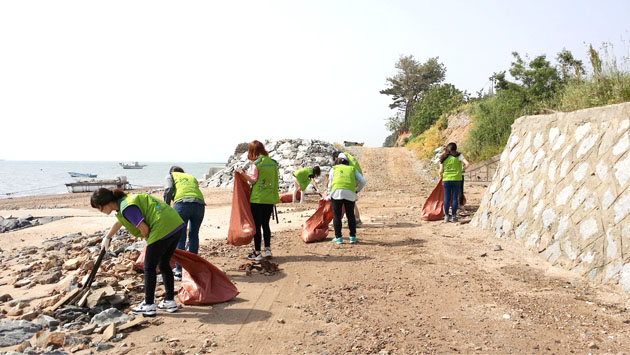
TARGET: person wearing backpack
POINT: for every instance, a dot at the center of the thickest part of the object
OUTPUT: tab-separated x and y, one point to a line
452	165
183	190
263	176
342	193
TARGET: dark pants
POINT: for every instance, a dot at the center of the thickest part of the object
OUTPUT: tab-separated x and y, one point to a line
192	214
352	222
159	255
452	190
262	214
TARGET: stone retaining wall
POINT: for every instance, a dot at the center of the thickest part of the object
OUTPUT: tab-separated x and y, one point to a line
561	190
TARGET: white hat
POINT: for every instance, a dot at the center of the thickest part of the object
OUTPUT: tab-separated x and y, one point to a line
342	156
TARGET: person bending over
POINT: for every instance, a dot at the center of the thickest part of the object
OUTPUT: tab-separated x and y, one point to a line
150	218
301	180
183	190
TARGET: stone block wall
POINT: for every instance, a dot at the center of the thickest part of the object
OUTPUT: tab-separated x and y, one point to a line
561	190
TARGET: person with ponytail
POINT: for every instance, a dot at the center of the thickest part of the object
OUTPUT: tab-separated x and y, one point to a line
150	218
452	165
263	176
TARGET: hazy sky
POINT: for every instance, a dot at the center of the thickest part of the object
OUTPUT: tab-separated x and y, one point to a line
188	80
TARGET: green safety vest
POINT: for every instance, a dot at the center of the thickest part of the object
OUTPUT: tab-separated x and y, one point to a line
343	178
161	218
265	190
302	177
452	169
353	162
185	186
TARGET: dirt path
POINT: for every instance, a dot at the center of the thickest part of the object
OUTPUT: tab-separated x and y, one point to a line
408	286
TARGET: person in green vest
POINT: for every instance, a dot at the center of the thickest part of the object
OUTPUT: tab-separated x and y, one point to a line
263	176
355	164
344	182
183	190
150	218
301	180
452	165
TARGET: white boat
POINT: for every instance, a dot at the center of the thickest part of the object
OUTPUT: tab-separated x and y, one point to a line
75	174
120	182
135	165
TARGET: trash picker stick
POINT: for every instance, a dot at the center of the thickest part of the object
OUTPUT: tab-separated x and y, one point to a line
90	278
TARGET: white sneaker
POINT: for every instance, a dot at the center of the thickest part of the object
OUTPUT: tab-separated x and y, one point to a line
169	306
255	255
268	253
144	309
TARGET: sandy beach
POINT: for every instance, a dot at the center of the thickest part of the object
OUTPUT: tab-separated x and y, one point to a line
408	286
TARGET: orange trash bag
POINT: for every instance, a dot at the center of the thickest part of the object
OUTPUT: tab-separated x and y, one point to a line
242	227
202	282
288	197
316	227
433	209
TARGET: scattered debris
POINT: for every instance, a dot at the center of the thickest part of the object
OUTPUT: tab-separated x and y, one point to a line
264	266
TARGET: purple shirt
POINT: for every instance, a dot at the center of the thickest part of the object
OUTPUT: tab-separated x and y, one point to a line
134	216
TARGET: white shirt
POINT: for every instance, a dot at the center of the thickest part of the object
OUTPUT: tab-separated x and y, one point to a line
343	194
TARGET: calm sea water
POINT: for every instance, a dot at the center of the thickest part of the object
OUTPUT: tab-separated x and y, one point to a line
27	178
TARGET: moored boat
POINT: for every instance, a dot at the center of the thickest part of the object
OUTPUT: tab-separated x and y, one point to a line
120	182
134	165
88	175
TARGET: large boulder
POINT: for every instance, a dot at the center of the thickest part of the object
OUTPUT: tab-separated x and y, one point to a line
291	155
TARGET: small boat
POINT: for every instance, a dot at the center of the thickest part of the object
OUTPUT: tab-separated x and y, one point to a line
135	165
352	144
87	175
120	182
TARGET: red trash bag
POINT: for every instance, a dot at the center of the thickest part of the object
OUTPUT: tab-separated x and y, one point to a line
288	197
242	227
202	282
316	227
433	209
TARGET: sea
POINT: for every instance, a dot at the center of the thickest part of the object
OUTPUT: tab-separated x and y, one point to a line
28	178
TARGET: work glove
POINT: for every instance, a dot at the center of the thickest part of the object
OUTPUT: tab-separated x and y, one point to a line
105	243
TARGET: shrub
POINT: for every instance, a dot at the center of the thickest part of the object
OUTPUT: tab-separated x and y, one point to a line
493	118
426	143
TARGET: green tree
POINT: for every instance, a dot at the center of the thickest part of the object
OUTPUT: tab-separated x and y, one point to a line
434	102
412	79
569	66
537	81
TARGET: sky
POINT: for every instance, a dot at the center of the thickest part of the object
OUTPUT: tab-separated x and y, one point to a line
188	81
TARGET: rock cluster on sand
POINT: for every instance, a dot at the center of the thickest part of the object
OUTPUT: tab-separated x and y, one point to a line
291	155
47	323
10	223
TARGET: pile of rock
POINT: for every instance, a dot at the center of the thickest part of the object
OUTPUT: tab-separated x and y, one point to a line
10	223
48	323
291	155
